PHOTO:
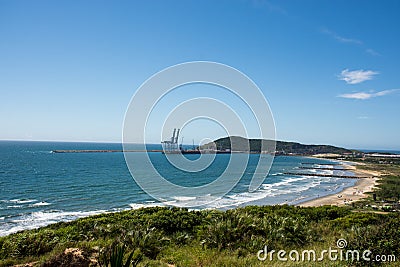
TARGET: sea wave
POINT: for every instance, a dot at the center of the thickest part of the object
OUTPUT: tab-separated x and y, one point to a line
270	192
22	201
13	207
40	219
284	182
190	201
289	185
302	188
136	206
276	193
183	198
40	204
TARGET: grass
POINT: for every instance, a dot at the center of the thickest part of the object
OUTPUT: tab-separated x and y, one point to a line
159	236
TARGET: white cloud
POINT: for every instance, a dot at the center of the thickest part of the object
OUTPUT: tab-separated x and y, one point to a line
372	52
341	39
360	95
363	117
364	95
356	76
270	6
346	40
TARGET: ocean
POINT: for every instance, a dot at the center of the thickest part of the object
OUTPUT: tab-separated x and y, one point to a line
38	187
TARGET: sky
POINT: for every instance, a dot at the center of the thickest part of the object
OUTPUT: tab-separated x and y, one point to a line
328	69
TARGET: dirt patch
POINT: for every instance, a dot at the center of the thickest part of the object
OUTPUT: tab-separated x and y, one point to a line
73	257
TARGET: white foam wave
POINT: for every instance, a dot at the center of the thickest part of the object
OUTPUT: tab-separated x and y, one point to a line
136	206
40	219
240	199
284	187
324	166
22	201
40	204
183	198
13	207
204	201
285	182
303	188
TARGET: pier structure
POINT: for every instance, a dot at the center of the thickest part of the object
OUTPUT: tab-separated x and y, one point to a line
171	146
326	175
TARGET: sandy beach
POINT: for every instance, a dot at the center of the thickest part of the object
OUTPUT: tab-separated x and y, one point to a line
350	194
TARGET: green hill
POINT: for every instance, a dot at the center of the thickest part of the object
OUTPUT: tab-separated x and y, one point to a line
241	144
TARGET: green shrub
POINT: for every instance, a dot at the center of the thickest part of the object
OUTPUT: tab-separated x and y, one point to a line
229	230
29	243
381	239
114	257
237	229
358	219
237	233
150	241
286	231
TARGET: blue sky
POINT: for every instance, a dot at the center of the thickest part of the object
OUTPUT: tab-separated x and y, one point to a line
329	69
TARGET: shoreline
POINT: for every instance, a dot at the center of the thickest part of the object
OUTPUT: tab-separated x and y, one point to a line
349	194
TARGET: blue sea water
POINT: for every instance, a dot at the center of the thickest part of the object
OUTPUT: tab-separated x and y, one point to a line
38	187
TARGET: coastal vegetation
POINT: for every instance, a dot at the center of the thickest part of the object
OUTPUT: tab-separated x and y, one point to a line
159	236
165	236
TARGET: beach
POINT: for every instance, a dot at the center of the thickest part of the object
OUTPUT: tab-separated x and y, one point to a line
349	194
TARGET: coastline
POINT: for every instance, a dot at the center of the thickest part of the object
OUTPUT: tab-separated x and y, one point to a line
43	213
348	194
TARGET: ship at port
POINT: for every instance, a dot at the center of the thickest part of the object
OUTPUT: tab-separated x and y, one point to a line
172	146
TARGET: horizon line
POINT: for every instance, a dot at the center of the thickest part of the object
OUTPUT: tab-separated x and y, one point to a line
120	142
